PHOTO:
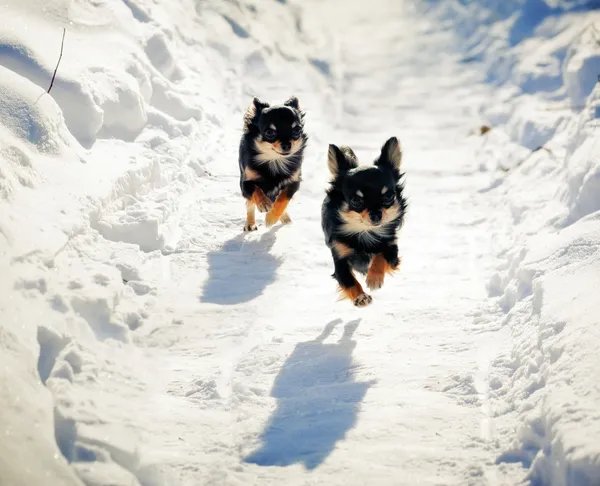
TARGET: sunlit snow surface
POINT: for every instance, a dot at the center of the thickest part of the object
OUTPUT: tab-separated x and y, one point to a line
146	340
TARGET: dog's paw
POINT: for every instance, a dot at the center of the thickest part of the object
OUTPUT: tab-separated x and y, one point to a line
264	205
374	280
285	218
363	300
250	227
271	219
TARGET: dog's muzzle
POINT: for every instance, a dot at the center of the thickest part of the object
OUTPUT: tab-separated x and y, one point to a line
375	216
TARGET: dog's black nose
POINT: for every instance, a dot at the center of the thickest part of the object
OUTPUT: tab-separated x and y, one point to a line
286	146
375	216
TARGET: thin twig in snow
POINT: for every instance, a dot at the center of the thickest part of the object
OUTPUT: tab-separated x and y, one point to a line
59	58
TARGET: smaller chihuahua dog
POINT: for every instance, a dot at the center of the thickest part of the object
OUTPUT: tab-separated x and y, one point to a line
361	215
270	159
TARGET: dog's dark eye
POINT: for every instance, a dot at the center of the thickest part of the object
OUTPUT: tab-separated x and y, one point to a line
388	198
356	202
270	134
296	132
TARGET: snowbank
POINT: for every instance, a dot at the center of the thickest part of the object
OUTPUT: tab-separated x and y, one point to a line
542	59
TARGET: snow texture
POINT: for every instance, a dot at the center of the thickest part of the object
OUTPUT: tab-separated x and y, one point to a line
145	340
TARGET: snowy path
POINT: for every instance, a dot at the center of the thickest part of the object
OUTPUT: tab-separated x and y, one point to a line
145	340
262	367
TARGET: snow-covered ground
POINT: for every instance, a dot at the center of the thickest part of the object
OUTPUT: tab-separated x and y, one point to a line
146	340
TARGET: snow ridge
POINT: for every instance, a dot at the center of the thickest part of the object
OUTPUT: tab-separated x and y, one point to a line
547	74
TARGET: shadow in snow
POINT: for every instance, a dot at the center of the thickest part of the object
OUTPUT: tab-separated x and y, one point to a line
241	269
318	401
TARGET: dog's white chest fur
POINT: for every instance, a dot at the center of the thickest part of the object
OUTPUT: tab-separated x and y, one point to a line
276	162
353	224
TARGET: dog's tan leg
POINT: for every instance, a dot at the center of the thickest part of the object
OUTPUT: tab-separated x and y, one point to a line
348	285
250	216
278	208
379	267
356	294
262	202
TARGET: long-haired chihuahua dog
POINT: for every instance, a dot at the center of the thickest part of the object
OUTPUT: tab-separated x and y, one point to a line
270	159
361	215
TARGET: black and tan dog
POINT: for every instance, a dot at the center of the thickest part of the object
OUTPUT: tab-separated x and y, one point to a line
361	215
270	159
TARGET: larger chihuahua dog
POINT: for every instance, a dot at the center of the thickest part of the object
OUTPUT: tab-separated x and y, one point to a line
270	159
361	215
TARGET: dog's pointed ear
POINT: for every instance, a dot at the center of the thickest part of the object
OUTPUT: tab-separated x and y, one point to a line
293	102
259	105
340	160
391	155
252	112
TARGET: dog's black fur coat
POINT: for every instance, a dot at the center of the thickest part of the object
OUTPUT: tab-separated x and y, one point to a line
362	212
271	152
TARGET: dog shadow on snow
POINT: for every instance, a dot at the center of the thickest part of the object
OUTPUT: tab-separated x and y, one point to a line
318	402
241	269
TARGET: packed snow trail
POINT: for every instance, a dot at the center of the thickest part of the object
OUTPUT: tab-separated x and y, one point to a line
176	349
145	340
264	368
